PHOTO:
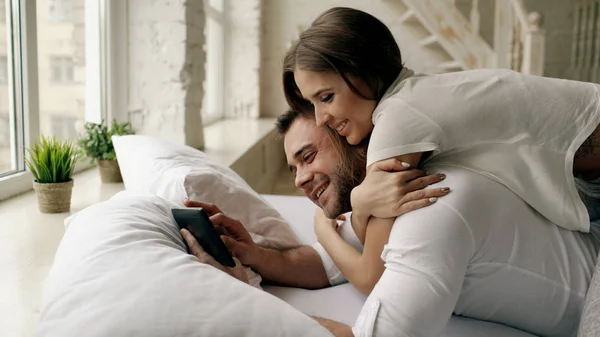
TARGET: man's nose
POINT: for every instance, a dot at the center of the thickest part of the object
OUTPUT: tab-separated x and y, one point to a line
303	177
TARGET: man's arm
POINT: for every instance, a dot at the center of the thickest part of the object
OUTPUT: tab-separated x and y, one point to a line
298	267
336	328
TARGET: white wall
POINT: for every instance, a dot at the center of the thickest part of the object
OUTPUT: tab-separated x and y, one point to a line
166	69
281	18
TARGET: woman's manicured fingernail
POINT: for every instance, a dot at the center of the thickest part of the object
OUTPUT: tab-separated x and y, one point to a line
445	189
433	199
405	164
442	176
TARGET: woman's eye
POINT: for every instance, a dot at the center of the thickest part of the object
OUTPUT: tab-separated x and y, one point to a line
327	98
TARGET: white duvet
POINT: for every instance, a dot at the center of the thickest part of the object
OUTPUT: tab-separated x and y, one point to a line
122	270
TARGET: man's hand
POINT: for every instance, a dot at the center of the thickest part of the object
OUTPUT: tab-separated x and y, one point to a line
236	238
238	271
390	190
298	267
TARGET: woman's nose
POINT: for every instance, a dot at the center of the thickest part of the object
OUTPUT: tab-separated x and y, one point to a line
322	117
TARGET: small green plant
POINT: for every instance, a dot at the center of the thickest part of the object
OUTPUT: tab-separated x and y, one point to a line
97	144
52	160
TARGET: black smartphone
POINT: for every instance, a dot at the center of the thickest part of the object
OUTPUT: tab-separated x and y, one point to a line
197	222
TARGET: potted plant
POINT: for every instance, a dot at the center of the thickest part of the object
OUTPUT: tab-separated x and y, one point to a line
52	161
97	145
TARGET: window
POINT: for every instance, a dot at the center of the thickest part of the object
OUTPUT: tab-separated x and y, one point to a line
214	84
5	157
62	91
63	126
60	10
5	162
8	107
31	102
3	70
61	69
2	11
4	131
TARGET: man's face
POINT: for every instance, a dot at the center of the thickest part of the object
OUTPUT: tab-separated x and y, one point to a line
319	169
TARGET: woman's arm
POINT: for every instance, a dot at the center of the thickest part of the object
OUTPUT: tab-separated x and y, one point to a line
362	270
391	189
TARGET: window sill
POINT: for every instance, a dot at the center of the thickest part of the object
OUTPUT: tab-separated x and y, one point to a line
229	139
21	182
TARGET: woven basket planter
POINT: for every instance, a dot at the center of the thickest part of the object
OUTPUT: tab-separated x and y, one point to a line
54	198
109	171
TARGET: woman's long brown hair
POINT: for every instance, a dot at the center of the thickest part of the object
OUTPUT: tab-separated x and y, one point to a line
351	43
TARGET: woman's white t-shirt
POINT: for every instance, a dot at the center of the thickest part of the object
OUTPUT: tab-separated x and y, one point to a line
520	130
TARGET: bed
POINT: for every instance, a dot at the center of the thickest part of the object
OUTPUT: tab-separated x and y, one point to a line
343	303
122	268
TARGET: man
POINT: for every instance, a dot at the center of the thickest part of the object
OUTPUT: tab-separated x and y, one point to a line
479	252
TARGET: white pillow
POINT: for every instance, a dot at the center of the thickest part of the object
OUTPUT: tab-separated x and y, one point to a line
122	270
175	172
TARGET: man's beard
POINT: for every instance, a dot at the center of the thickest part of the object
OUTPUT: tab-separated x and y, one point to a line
347	174
343	179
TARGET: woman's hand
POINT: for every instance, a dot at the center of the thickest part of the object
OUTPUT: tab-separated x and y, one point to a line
238	271
390	189
325	226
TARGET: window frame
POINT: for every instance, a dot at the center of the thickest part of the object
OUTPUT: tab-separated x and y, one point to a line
24	93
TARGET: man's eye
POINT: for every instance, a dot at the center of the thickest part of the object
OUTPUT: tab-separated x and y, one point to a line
327	98
308	157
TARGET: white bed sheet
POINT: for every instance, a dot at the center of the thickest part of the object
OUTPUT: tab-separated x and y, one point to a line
343	302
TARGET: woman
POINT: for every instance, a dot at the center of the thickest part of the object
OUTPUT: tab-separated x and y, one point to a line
530	133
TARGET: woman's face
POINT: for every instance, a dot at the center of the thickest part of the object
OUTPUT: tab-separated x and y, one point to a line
336	105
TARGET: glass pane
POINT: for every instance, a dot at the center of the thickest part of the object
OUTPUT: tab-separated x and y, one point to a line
59	10
7	139
61	66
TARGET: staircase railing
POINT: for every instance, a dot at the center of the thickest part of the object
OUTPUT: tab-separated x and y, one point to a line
585	55
519	40
448	26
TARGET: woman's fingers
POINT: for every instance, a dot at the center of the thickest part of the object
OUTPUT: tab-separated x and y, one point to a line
389	165
423	198
421	182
